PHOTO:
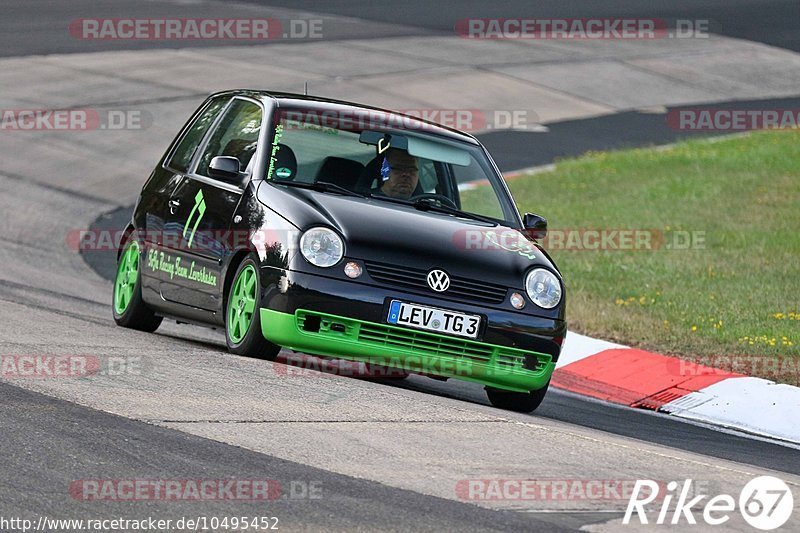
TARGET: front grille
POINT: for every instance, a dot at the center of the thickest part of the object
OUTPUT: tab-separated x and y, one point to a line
416	279
420	343
424	343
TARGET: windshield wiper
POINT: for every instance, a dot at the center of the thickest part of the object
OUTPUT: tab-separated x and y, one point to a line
320	186
426	204
390	199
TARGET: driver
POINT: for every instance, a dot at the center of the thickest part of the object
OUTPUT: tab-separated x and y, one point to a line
399	173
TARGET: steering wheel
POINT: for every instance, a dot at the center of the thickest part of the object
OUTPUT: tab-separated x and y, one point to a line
442	199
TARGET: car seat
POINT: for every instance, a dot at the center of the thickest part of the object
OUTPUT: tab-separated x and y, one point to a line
341	171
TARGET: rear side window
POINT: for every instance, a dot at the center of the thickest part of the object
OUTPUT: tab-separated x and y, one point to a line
236	135
182	156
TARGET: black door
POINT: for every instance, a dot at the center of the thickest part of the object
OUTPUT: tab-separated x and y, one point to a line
153	210
197	235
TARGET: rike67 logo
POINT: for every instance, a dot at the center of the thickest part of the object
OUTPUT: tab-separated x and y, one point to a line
765	503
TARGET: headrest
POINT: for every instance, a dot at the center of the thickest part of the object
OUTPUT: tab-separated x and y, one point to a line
341	171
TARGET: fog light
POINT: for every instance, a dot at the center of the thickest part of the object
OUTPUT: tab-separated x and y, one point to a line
517	301
352	270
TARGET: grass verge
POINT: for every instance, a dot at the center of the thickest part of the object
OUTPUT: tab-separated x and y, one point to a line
722	275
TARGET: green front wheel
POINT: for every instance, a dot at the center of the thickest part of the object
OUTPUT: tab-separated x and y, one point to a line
242	317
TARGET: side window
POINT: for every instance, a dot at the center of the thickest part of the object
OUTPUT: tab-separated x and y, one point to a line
184	152
236	135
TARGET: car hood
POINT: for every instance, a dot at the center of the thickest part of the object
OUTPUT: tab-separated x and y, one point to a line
376	230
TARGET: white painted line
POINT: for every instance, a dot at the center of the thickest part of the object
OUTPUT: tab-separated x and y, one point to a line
750	404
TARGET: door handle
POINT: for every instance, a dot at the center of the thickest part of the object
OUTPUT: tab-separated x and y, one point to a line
173	206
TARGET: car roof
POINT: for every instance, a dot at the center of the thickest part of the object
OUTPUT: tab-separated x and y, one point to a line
329	104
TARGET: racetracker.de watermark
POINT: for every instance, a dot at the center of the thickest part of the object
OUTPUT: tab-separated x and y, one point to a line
86	119
203	489
581	28
310	366
193	29
580	239
553	490
48	366
785	369
716	119
388	367
69	366
469	120
108	240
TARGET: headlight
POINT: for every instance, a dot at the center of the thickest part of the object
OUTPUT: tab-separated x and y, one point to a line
543	288
321	247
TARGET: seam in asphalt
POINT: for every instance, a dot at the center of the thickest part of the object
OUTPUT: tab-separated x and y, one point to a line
23	244
56	188
58	312
162	100
50	61
289	421
561	92
318	76
47	292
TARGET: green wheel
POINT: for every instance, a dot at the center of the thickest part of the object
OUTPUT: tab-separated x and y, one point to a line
242	304
242	317
129	309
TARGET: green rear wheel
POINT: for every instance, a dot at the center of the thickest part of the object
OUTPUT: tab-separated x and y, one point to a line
129	309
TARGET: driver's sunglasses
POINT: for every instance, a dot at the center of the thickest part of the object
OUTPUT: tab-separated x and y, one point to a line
404	169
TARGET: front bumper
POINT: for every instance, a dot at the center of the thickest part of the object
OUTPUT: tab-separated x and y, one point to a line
408	349
331	317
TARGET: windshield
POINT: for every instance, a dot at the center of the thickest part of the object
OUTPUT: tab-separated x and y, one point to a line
397	159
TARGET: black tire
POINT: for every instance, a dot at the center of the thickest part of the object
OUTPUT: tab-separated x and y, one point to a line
521	402
135	314
252	343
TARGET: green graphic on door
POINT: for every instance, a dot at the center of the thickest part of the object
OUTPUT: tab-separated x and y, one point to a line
200	209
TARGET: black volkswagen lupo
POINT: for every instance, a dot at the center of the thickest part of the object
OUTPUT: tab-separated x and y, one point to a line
342	230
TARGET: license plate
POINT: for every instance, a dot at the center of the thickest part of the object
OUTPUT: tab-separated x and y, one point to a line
433	319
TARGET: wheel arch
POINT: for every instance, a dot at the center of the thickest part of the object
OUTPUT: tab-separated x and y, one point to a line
233	265
123	239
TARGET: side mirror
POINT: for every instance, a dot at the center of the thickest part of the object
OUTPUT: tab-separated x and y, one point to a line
535	226
225	168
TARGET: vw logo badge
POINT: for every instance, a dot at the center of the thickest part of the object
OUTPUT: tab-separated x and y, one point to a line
438	280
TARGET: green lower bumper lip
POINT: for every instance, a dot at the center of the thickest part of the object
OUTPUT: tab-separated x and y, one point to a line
409	349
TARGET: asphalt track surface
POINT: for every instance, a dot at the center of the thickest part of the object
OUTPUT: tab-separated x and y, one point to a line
48	442
53	451
37	26
773	23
